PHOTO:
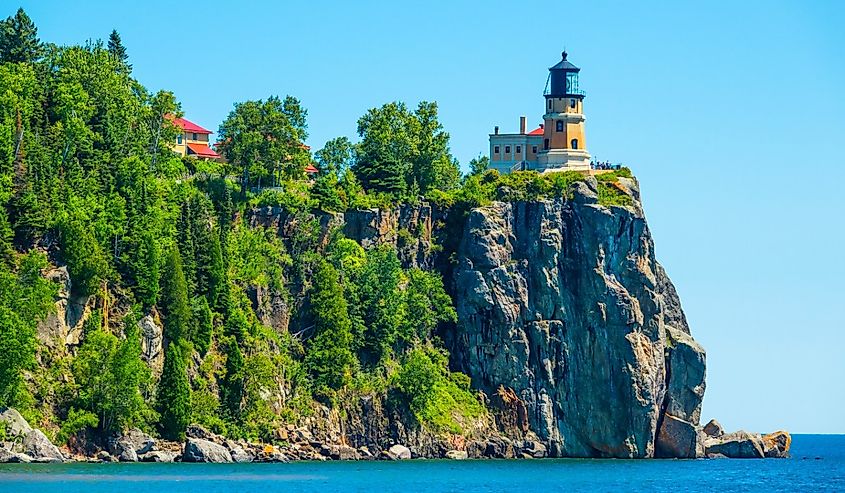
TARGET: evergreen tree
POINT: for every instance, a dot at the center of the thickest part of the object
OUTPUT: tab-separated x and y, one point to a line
217	281
329	359
232	383
177	311
174	395
117	50
204	321
146	267
187	245
19	39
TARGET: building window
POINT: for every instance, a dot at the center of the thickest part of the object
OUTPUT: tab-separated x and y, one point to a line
550	104
574	143
495	149
546	144
193	136
519	149
179	139
507	149
572	103
559	126
534	149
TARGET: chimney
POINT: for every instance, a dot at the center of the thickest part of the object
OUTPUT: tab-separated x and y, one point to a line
522	124
542	125
496	130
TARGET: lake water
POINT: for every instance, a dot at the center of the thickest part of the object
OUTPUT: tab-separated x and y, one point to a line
817	464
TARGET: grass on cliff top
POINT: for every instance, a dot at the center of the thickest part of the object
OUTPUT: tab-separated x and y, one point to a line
481	189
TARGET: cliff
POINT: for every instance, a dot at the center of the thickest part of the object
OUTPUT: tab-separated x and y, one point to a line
568	327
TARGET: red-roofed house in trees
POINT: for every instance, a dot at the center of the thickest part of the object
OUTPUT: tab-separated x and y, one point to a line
193	141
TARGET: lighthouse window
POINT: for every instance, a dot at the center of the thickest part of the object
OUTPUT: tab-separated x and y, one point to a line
546	144
574	143
550	104
559	126
534	149
519	149
495	149
572	103
507	149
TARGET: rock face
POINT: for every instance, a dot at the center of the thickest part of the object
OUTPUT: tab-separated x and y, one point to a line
63	327
737	445
564	302
38	446
199	450
152	343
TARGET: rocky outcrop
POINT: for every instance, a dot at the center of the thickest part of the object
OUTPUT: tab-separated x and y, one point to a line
152	342
39	447
199	450
63	326
737	445
398	452
564	302
130	446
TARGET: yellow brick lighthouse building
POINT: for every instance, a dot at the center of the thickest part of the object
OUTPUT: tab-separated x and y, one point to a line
559	144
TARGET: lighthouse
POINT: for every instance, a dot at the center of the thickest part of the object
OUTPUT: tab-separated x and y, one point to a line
564	145
559	144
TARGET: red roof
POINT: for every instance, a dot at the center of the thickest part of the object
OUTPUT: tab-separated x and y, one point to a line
536	131
189	126
311	169
202	150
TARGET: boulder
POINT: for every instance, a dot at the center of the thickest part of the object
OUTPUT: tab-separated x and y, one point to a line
199	450
124	450
499	448
398	452
8	456
685	374
15	424
678	439
777	444
238	453
199	431
457	454
533	448
39	447
713	429
737	445
158	456
343	452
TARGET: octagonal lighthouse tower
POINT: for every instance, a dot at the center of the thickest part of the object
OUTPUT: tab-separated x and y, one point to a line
564	143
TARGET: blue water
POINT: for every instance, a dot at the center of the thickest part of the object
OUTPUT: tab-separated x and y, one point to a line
817	464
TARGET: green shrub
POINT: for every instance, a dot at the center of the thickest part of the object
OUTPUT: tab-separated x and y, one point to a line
76	421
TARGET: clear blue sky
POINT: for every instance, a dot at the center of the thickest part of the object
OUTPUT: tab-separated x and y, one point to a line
732	115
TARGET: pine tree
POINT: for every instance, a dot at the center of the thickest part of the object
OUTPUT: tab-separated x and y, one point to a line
382	176
117	50
19	39
146	267
330	360
217	281
204	322
187	245
174	395
232	383
177	311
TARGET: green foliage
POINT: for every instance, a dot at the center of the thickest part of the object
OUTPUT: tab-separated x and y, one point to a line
402	151
337	156
174	395
177	310
329	359
110	376
232	384
117	50
610	194
19	39
204	323
436	397
76	421
264	138
427	303
25	298
478	165
87	263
